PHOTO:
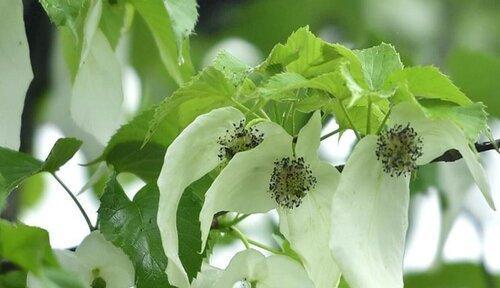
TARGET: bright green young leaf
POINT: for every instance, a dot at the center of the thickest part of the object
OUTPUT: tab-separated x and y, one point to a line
15	167
233	69
26	246
476	73
115	17
131	225
369	221
15	74
164	28
378	63
183	16
429	82
65	12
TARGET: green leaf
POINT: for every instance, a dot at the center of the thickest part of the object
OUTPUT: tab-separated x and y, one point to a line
26	246
233	69
163	29
64	13
15	167
62	152
15	74
450	276
477	74
377	63
131	225
429	82
188	226
183	15
472	118
14	279
114	18
303	53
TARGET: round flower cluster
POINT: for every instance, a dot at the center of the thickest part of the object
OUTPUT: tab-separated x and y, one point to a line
398	149
290	181
238	139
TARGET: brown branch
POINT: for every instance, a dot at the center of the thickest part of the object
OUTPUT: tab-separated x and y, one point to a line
453	155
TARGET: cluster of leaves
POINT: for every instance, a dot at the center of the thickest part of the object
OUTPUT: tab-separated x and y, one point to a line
306	74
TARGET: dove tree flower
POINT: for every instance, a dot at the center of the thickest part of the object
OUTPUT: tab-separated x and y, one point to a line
290	178
250	268
370	205
211	140
96	262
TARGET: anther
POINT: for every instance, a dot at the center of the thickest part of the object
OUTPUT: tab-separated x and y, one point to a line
238	139
398	150
290	182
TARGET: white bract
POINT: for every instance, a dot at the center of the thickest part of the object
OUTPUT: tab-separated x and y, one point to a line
96	104
295	182
15	72
370	207
250	268
96	259
194	153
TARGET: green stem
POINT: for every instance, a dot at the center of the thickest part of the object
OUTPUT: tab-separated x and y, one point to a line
349	120
84	214
369	116
383	121
237	220
287	116
247	111
265	247
241	236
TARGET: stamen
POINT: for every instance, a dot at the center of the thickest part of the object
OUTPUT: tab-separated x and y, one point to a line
398	149
238	139
290	182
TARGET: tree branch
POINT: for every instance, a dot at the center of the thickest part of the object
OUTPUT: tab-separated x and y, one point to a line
453	155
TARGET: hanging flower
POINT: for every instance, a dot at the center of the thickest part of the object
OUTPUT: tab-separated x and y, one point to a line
250	269
276	175
96	262
211	140
370	206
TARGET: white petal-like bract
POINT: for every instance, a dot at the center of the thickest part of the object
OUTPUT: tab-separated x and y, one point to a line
369	221
15	72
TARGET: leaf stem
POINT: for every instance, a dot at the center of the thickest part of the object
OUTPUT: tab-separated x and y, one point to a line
241	236
84	214
248	111
265	247
369	116
237	220
349	119
383	121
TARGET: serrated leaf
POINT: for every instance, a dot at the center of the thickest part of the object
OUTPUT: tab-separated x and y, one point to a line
378	63
233	69
472	118
429	82
26	246
126	153
161	25
114	18
183	15
15	74
131	225
64	12
477	74
15	167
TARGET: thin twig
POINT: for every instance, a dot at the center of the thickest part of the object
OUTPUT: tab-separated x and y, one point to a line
453	155
84	214
329	134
